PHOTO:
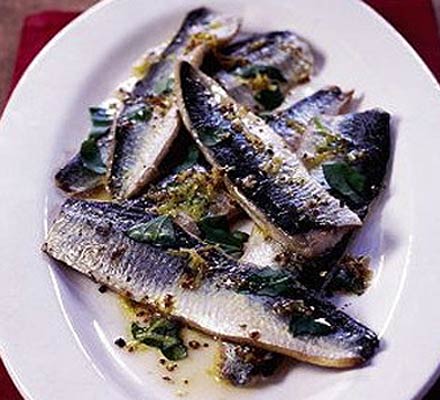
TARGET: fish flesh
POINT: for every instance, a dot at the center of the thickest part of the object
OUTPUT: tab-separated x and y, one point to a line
75	178
259	70
360	141
201	285
291	122
149	120
260	171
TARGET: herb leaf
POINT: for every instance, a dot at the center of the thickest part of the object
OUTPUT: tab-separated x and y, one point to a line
309	325
270	99
251	71
267	282
345	180
101	122
215	230
159	231
210	136
191	159
162	334
91	156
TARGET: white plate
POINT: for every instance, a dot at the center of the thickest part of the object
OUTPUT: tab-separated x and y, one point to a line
56	331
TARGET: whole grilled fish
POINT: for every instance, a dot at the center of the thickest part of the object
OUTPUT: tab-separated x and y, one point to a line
291	122
149	121
261	172
195	282
259	70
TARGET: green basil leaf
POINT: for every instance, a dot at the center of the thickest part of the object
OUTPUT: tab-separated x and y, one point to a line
191	159
345	180
309	325
210	136
216	230
159	231
162	334
267	282
101	122
164	86
175	353
91	156
270	99
270	71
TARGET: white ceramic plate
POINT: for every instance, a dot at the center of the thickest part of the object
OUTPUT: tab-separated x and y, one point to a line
57	332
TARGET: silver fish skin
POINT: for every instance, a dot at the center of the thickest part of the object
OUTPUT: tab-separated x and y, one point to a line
142	141
227	301
275	61
290	123
260	171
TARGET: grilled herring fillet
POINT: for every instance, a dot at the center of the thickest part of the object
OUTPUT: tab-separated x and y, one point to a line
202	286
260	171
149	120
291	122
259	70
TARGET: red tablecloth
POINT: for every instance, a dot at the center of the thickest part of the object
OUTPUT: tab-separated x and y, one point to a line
413	18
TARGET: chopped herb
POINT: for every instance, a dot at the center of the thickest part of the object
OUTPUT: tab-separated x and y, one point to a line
192	192
191	159
353	276
158	231
91	156
215	230
210	136
101	121
267	282
163	334
345	180
164	86
252	71
309	325
270	99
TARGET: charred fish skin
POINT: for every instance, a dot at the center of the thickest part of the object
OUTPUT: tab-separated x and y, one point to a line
291	122
261	172
229	300
359	140
259	70
149	121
